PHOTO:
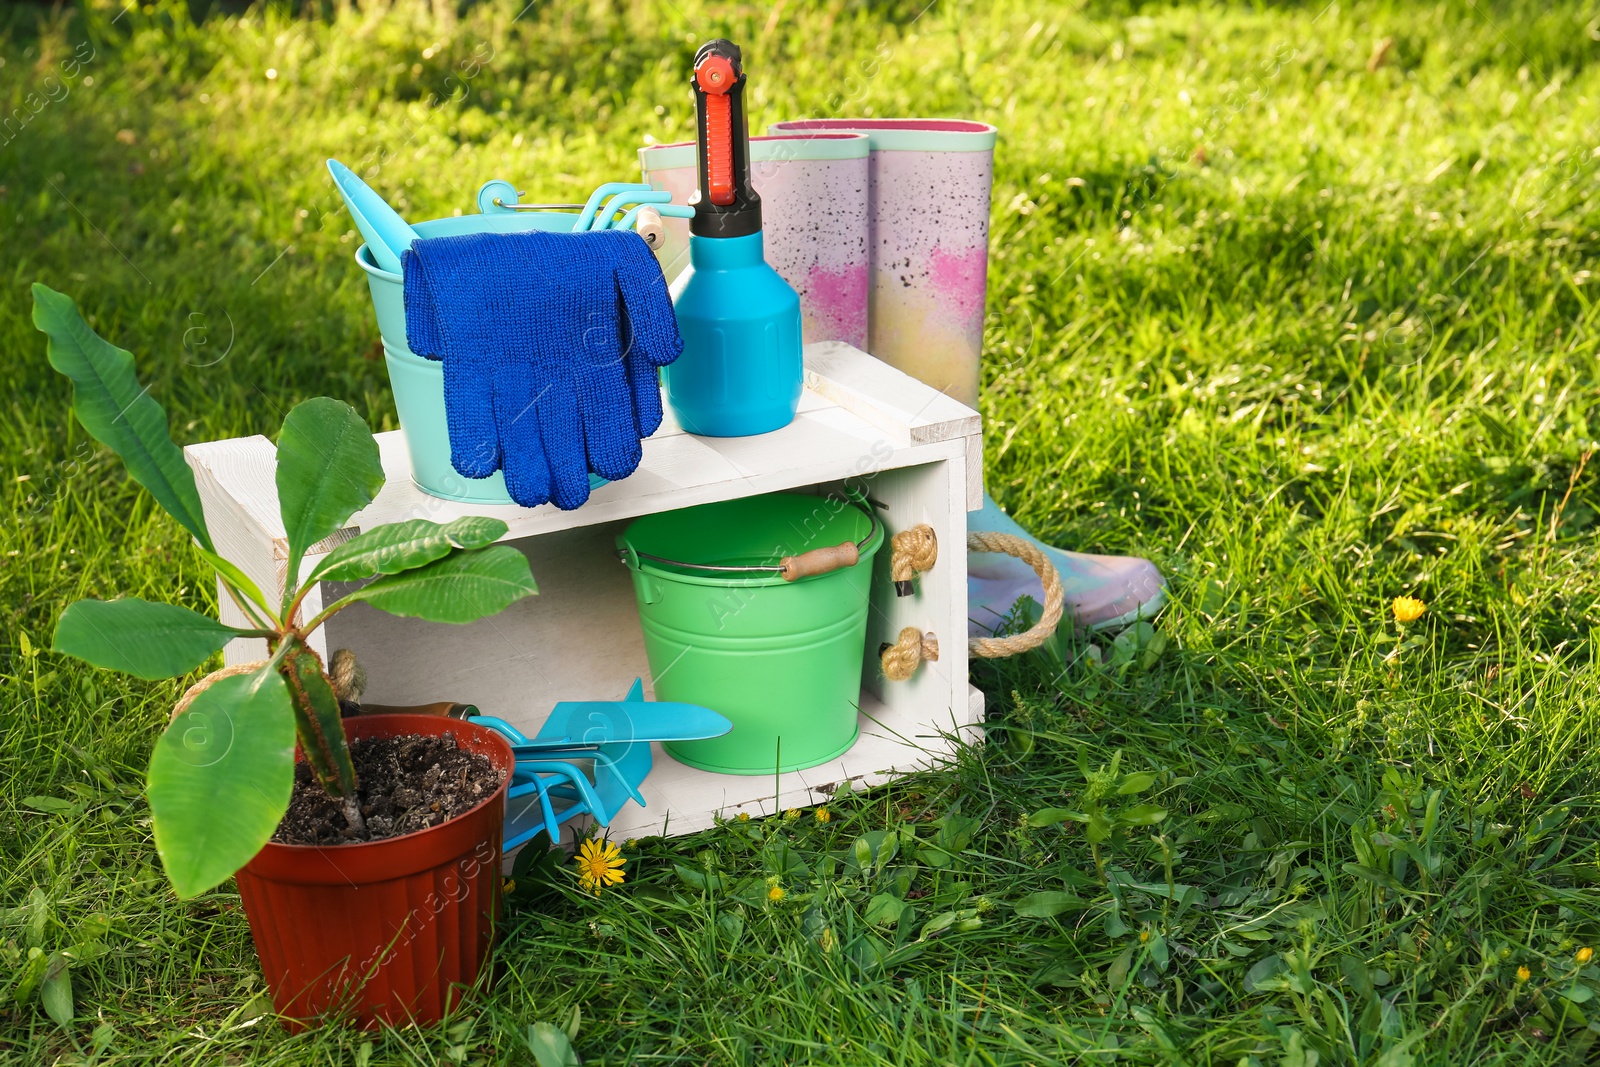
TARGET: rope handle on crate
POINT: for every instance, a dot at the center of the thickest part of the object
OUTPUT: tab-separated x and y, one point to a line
913	646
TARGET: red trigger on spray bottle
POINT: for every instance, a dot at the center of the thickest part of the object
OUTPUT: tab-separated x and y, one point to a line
715	76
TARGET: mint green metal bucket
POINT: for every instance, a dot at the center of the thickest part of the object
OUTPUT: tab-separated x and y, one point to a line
724	630
419	383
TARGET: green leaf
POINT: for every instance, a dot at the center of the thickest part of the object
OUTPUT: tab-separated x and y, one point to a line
955	831
30	974
319	723
1052	816
328	469
1142	815
1136	783
861	852
702	880
403	546
1577	993
884	908
1117	973
116	410
220	779
1355	972
237	578
1375	876
551	1047
139	637
461	587
55	992
51	805
1179	893
1048	904
1264	973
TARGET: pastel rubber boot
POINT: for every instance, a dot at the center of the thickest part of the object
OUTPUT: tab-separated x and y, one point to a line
928	241
1102	592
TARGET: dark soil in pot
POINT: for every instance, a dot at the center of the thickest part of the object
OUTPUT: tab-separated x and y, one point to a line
407	783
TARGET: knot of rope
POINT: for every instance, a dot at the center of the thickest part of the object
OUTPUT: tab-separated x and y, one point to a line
911	552
901	658
348	677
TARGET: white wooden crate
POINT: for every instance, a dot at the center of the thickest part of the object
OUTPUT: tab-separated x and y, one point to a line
917	450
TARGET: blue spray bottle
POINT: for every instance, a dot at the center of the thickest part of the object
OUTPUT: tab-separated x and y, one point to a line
740	372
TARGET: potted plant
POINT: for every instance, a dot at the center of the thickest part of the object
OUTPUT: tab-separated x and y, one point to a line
391	925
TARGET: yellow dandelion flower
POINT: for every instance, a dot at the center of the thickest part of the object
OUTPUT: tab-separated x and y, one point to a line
1585	954
599	865
1144	935
1523	974
776	893
743	816
509	885
791	815
1407	608
823	815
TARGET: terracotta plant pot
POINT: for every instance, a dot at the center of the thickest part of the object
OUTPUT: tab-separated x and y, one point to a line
389	931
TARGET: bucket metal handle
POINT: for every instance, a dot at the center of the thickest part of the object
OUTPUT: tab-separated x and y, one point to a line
824	560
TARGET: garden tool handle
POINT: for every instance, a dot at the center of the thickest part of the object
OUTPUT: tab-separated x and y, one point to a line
647	224
824	560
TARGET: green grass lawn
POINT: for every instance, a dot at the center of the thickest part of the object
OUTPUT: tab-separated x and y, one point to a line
1308	319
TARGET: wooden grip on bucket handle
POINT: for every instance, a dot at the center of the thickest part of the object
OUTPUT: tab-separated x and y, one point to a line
819	561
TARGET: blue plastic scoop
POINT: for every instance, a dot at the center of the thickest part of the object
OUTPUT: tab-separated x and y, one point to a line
386	233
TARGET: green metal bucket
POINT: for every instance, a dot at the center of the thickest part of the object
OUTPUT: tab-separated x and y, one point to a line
725	630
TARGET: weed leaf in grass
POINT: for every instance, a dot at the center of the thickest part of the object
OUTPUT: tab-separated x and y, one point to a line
220	779
116	410
403	546
1142	815
1264	974
328	469
1052	816
139	637
701	880
551	1047
1048	904
55	992
463	587
884	908
52	805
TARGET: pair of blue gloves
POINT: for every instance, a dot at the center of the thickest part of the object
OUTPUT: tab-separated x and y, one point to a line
551	344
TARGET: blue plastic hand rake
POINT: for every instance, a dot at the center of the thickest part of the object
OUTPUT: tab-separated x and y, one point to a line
612	737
